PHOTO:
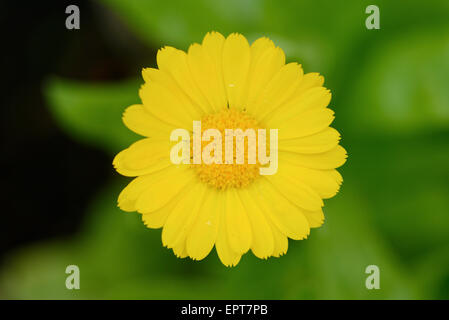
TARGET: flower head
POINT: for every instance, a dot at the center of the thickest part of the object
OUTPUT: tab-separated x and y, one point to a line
226	83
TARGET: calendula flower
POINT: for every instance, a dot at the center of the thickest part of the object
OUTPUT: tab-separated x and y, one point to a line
226	83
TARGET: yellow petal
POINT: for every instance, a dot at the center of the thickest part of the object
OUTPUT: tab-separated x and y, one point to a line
262	243
165	79
128	196
164	187
331	159
280	242
137	119
207	77
157	219
237	223
286	216
180	250
296	191
236	61
277	91
266	61
336	175
201	238
321	181
306	124
294	108
319	142
315	218
227	256
163	104
212	46
259	47
183	215
174	62
143	157
310	80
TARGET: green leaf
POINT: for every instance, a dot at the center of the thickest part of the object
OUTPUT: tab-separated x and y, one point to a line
403	89
92	112
404	182
119	257
303	29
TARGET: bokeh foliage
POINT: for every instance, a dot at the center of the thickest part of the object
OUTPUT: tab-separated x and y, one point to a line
391	97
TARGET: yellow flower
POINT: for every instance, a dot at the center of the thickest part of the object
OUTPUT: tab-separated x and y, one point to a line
228	84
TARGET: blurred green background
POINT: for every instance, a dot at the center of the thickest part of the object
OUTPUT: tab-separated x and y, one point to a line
391	97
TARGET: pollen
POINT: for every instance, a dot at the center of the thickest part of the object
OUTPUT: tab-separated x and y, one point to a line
228	175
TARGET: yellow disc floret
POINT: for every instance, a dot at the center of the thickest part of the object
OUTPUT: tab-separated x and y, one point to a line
228	175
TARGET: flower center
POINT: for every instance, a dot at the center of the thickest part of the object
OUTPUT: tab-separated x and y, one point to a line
229	175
